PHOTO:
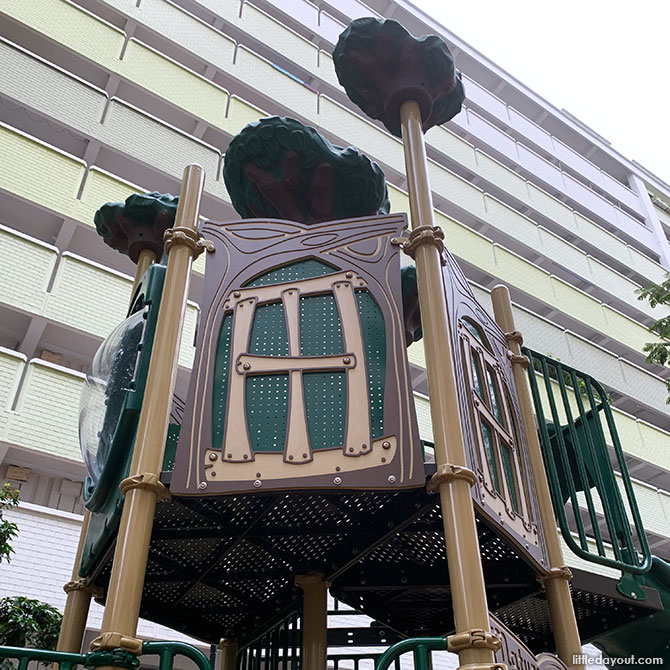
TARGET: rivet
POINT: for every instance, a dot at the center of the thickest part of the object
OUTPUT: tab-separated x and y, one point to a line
202	485
257	483
290	458
213	457
346	360
338	468
247	366
237	294
258	474
364	447
383	460
212	473
245	457
633	596
349	275
351	449
230	455
391	479
386	444
337	480
304	455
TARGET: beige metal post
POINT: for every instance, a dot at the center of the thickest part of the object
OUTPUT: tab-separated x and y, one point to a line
79	594
557	582
143	488
315	620
77	603
473	641
146	258
226	654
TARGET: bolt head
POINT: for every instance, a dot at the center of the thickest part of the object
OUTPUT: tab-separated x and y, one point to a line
258	483
386	444
346	360
202	485
247	366
237	294
213	457
392	479
337	480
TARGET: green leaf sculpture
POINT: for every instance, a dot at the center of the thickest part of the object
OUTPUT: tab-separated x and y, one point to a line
137	224
280	168
381	66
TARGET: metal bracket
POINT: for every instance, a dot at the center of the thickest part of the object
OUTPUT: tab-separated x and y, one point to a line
433	235
560	572
523	361
514	336
113	641
630	588
146	480
81	584
180	235
477	638
448	472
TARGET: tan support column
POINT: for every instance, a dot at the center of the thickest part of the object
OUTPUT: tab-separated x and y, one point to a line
146	258
143	488
557	582
226	654
77	603
473	641
314	620
78	600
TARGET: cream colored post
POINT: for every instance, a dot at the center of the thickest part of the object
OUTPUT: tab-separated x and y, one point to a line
314	620
473	641
146	258
557	581
143	488
226	654
77	603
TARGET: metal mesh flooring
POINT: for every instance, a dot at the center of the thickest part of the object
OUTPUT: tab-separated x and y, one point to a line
225	566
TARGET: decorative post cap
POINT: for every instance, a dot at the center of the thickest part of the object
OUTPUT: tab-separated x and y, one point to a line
381	66
280	168
137	224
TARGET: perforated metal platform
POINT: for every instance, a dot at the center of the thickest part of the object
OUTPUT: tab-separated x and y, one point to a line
224	566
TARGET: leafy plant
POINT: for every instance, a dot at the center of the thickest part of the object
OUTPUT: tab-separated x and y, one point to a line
28	623
658	352
9	498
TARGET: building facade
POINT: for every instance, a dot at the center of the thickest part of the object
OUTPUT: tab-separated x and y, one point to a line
102	98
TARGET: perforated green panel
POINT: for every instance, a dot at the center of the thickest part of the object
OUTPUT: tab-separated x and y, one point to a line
267	411
220	382
268	333
326	405
320	330
305	269
374	341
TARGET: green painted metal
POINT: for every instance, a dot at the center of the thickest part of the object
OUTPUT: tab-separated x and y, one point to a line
104	500
420	647
575	427
118	658
168	650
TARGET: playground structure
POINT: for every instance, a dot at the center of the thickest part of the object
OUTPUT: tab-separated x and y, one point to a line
333	490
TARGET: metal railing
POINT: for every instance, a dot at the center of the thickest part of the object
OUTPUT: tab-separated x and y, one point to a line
576	430
420	647
119	658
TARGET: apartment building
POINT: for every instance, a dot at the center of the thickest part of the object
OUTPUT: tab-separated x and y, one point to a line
102	98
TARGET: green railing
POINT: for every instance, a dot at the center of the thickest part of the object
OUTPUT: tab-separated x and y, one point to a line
420	647
576	426
278	646
114	657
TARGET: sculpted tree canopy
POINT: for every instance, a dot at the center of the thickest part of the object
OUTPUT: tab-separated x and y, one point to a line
280	168
137	224
381	65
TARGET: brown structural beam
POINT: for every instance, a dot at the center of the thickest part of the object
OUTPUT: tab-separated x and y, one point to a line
557	582
475	643
143	488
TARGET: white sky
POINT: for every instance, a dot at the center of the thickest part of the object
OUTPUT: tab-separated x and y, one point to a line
606	62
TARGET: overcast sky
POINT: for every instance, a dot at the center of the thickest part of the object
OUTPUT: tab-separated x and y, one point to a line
606	62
